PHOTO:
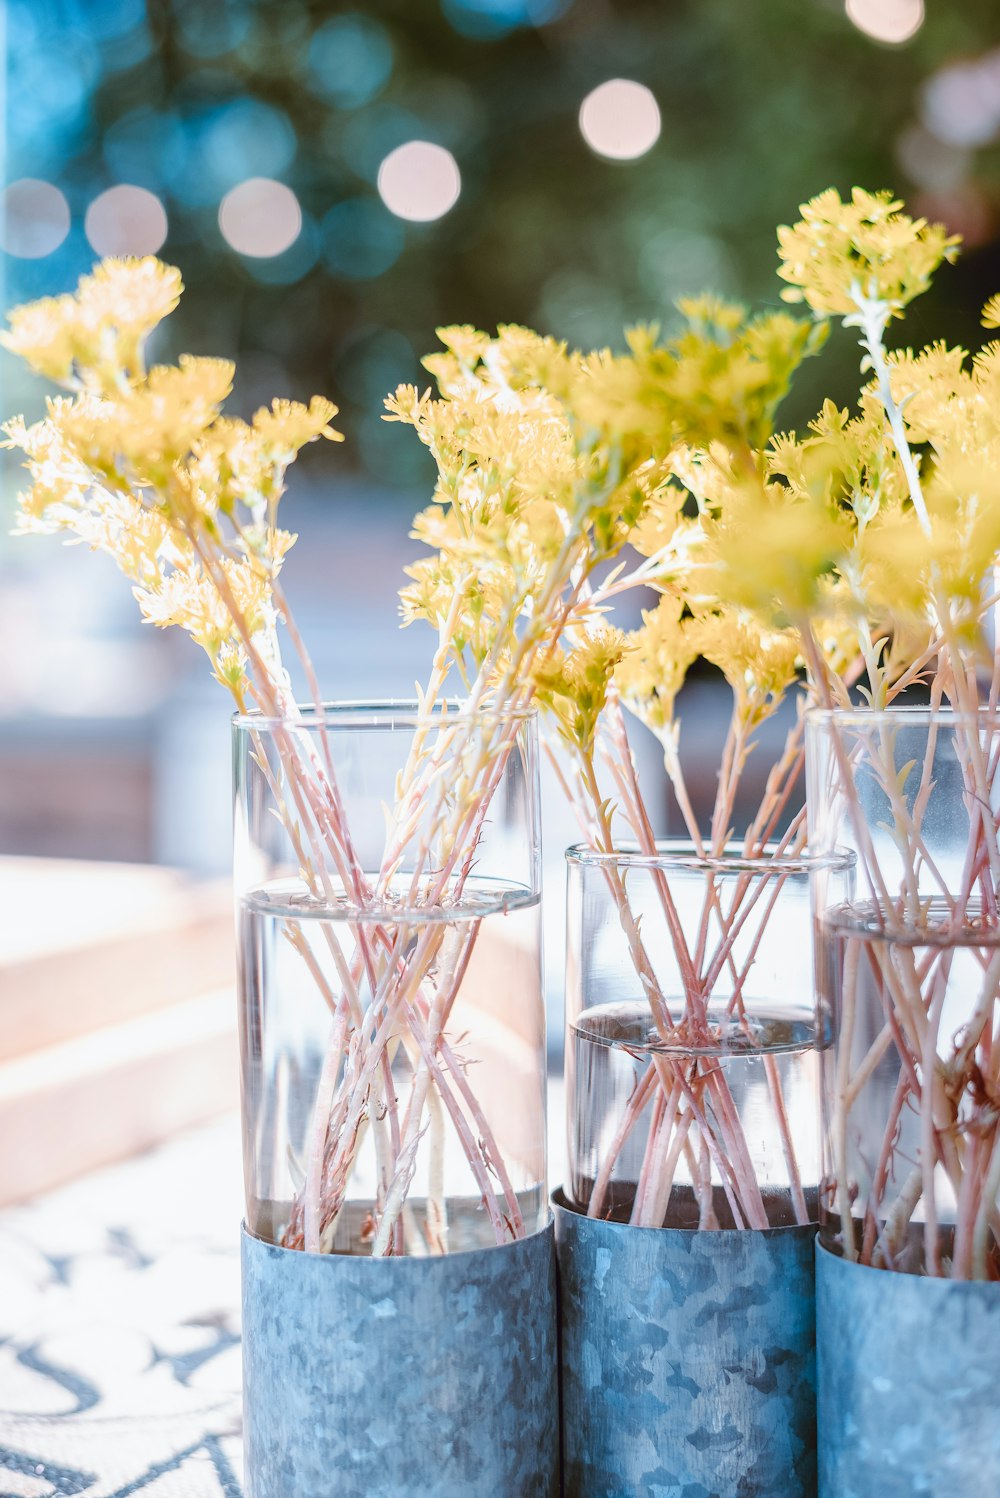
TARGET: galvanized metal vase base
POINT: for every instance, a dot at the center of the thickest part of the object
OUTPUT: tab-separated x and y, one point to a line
908	1377
687	1360
400	1377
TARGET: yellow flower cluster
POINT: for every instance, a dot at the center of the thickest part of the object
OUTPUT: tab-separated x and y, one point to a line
573	685
855	542
652	671
95	337
866	246
550	463
142	465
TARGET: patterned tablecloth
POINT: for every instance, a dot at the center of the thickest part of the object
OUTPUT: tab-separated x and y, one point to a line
119	1329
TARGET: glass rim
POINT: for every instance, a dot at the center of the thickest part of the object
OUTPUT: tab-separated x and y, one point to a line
905	713
381	713
680	853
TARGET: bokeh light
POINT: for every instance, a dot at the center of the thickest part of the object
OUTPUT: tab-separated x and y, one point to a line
126	220
419	181
488	19
350	60
293	263
620	119
212	30
930	162
683	260
34	218
360	239
891	21
960	104
364	139
49	95
260	217
245	138
114	18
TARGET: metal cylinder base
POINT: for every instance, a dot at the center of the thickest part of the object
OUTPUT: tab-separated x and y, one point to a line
908	1370
400	1377
687	1360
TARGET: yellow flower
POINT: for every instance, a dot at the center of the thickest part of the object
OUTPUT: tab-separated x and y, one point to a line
768	550
991	313
758	663
288	426
144	467
96	336
573	685
839	249
653	670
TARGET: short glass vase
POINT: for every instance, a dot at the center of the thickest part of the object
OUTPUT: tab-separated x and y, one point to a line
692	1039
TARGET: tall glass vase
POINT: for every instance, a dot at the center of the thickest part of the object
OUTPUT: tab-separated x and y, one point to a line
909	1264
691	1081
393	1045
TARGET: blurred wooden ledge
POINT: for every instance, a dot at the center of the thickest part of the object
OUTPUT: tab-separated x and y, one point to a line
117	1014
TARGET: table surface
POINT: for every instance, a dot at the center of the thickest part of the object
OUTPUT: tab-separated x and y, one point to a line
120	1325
119	1329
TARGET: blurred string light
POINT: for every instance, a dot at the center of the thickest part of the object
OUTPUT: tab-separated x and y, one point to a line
49	95
291	264
360	239
212	30
488	19
126	220
930	162
677	262
245	136
891	21
200	149
34	218
364	139
960	104
419	181
620	119
260	217
350	60
103	19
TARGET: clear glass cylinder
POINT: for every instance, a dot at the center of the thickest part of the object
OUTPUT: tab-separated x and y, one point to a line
392	1021
909	986
692	1069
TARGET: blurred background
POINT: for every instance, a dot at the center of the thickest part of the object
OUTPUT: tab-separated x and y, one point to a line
336	180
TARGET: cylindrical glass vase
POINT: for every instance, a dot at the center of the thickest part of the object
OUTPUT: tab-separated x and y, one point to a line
909	976
392	1023
692	1065
685	1239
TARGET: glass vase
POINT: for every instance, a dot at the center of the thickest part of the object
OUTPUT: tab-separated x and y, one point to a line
685	1238
391	1014
692	1041
909	975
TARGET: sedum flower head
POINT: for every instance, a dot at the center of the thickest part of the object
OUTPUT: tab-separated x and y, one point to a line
652	671
573	684
759	663
867	245
94	337
144	466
